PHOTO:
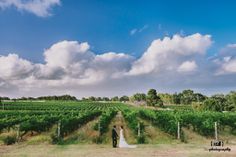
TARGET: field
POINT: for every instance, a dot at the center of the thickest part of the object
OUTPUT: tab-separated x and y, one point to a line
56	128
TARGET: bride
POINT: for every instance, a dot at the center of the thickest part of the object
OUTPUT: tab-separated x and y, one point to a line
122	142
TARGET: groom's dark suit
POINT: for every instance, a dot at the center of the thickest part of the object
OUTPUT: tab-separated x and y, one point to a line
114	137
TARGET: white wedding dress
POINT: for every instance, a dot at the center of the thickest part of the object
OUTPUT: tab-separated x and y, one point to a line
123	143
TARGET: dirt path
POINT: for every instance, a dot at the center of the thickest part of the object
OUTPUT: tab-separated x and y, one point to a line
119	121
161	150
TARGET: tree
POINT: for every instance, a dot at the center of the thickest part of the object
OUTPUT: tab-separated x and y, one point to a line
231	101
116	98
105	99
215	103
187	97
176	98
198	97
166	98
4	98
62	97
98	99
139	97
91	98
153	99
124	98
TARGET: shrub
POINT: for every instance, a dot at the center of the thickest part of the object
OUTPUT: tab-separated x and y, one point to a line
55	139
141	139
9	140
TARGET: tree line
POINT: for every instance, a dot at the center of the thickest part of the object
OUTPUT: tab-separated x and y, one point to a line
62	97
217	102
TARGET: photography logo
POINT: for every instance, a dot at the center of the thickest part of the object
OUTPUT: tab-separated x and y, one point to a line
218	145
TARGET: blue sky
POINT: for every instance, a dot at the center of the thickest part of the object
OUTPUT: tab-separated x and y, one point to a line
127	27
106	24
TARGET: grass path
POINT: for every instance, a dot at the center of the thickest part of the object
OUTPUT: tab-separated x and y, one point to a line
156	136
119	121
194	137
85	134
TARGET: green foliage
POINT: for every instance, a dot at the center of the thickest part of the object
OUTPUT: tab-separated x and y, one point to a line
201	122
9	140
138	97
166	121
231	101
62	97
134	124
153	99
71	123
116	98
166	98
124	98
213	104
187	97
4	98
38	124
41	116
105	120
176	98
217	103
55	139
141	139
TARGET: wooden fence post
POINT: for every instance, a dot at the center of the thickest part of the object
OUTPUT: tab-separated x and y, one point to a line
99	128
216	133
178	131
18	133
59	129
138	129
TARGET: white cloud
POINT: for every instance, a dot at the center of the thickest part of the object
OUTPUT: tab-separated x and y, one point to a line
133	31
13	67
71	67
227	66
231	46
226	60
167	53
66	53
187	66
77	61
136	30
40	8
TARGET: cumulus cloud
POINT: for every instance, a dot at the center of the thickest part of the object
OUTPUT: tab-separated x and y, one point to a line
71	59
187	66
228	66
166	54
40	8
13	67
72	67
226	60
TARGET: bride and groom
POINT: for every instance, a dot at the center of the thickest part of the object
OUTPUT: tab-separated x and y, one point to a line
122	142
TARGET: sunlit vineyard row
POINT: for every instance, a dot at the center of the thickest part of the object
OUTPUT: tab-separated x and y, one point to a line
67	117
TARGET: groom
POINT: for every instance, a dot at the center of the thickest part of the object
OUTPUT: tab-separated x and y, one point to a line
114	136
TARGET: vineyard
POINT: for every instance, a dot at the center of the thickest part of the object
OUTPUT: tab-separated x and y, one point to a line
23	120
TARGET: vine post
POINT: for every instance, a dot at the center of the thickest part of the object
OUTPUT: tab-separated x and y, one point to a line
59	129
178	131
216	133
18	133
99	128
138	129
